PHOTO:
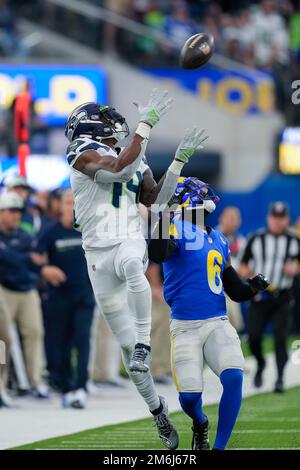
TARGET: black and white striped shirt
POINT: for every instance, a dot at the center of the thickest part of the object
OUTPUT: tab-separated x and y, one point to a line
267	253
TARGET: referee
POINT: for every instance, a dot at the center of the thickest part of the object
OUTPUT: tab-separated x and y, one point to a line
275	251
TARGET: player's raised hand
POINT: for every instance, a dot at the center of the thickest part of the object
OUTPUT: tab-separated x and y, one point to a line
159	103
192	140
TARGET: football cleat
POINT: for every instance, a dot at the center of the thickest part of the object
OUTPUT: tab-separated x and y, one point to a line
141	359
200	437
166	429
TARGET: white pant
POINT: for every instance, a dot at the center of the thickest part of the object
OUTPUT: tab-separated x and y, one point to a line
116	273
193	341
106	272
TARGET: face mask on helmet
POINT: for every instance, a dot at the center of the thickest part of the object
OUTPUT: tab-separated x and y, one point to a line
96	122
196	194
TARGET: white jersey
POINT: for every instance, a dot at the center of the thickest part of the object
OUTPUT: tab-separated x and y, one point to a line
107	213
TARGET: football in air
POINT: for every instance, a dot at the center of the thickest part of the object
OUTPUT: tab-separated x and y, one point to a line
197	51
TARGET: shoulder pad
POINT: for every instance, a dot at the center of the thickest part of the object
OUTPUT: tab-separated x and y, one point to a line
78	146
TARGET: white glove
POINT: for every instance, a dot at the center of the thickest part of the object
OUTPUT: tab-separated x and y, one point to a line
192	140
157	106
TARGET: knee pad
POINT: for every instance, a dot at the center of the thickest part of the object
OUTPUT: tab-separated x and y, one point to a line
232	378
134	274
112	303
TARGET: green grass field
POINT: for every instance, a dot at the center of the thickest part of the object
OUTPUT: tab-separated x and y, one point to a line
266	421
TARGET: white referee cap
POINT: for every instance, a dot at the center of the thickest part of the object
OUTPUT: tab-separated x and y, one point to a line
11	200
14	181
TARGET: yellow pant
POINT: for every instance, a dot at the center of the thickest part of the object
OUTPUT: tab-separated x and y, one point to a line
24	308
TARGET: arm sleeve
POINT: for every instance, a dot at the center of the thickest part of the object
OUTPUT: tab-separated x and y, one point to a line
235	287
167	190
161	250
125	175
160	247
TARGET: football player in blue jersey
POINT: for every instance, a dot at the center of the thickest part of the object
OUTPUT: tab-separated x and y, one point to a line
197	271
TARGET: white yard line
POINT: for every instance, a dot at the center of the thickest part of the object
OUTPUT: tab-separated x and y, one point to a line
36	420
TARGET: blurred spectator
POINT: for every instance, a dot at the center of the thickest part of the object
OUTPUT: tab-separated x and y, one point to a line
70	306
146	45
36	213
18	276
270	37
120	7
53	209
179	27
8	37
275	252
18	184
160	335
246	35
33	218
5	337
229	224
238	37
294	30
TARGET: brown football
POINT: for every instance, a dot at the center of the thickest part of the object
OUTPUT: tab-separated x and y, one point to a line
197	50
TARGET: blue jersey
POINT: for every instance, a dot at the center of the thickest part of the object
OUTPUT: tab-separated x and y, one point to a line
193	285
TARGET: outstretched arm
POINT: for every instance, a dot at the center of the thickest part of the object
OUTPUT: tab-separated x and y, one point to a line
238	289
107	169
161	193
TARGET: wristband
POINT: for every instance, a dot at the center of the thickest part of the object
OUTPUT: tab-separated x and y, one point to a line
176	167
143	129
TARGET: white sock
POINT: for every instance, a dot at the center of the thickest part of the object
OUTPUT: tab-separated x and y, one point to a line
139	299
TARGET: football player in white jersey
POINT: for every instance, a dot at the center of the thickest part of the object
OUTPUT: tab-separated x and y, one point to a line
108	182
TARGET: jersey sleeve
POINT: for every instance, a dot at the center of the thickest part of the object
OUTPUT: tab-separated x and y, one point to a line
79	146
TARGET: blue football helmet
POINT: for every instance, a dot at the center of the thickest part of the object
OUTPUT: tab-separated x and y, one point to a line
192	193
97	122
